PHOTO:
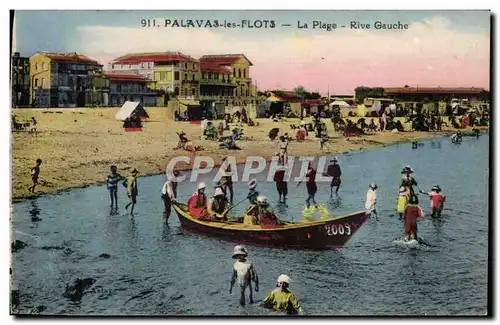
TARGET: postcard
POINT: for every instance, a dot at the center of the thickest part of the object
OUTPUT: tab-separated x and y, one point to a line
250	163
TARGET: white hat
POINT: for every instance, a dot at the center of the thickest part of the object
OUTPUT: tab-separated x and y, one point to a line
402	189
284	278
252	184
201	185
239	250
261	199
334	159
218	191
373	186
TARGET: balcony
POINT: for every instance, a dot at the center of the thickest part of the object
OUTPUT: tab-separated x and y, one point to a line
215	97
194	82
217	82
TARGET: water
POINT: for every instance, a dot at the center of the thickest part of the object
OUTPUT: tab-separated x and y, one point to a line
156	269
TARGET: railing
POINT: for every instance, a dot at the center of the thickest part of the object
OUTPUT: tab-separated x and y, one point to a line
217	82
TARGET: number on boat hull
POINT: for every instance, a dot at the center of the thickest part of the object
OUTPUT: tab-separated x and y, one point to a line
338	229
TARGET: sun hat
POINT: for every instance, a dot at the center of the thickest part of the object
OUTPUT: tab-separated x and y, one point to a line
436	188
239	250
134	172
334	159
283	278
373	186
201	185
218	192
402	189
262	200
252	184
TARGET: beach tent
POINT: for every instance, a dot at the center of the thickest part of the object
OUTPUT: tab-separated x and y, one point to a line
340	104
362	109
129	109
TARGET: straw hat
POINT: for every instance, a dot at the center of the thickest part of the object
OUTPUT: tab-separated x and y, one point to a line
334	159
436	188
239	250
252	184
219	192
373	186
201	185
134	172
283	278
402	189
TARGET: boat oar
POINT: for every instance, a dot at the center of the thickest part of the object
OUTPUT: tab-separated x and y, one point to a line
224	214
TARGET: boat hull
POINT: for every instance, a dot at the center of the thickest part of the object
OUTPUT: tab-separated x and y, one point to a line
311	235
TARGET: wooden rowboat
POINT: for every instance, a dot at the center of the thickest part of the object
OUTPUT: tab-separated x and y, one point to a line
323	234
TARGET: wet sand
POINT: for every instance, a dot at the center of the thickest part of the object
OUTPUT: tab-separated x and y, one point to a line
77	146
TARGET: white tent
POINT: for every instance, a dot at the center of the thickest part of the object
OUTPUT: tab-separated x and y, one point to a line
340	103
131	108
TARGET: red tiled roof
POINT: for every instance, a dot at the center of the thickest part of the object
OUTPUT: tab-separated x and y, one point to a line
224	59
213	67
135	58
70	58
419	90
125	77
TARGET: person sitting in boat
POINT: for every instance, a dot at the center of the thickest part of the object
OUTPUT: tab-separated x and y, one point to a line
244	272
253	193
437	200
218	205
403	196
281	298
408	181
197	204
263	214
412	213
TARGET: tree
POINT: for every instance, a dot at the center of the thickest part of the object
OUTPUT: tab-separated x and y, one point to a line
300	90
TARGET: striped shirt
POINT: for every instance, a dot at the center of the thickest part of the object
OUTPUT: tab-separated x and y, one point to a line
113	180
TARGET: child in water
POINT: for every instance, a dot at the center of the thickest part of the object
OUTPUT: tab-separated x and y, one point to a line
412	213
437	200
403	196
281	298
244	272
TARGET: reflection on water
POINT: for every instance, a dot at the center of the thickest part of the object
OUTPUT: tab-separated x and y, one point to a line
368	276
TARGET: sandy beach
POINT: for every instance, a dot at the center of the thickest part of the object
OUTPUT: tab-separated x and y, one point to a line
77	146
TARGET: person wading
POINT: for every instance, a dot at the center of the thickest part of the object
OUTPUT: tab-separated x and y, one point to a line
412	213
334	172
408	181
132	191
169	194
281	298
312	188
403	196
243	272
112	185
437	200
281	184
228	181
371	199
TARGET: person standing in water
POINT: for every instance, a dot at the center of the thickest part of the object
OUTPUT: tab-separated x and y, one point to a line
283	146
412	213
169	194
437	200
403	196
112	185
35	172
132	191
228	181
408	181
371	199
312	188
334	172
281	298
281	184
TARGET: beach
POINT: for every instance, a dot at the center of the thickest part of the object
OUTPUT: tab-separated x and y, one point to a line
77	146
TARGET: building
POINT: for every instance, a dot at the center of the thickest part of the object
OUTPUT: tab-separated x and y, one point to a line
437	94
238	65
173	72
129	87
20	81
216	83
62	79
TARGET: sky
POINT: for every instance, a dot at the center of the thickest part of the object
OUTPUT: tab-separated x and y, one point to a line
439	48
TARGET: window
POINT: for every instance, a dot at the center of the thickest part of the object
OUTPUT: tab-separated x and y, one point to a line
185	76
162	75
43	82
121	66
112	66
169	75
43	66
176	91
36	67
142	65
244	73
176	75
234	72
185	65
239	73
36	82
192	77
194	66
203	76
